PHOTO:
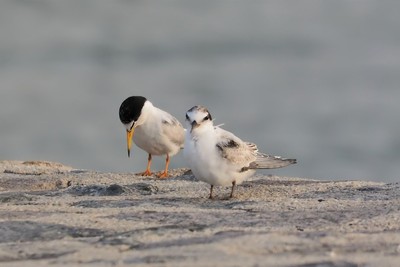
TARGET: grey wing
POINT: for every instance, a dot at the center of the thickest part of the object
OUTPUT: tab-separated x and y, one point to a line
264	161
173	129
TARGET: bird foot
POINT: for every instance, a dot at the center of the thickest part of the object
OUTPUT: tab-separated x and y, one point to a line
145	173
162	175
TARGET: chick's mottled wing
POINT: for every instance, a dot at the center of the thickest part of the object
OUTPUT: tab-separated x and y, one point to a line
172	129
246	154
233	149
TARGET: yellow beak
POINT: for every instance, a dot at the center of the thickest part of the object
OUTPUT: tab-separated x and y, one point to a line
129	135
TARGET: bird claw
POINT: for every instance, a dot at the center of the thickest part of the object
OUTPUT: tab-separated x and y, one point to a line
162	175
145	173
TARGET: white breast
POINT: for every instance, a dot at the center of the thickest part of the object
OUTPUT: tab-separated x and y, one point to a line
206	162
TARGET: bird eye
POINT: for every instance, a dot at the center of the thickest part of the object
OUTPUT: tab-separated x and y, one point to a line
206	118
187	117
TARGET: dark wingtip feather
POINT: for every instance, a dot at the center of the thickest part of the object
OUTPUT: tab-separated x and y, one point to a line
271	162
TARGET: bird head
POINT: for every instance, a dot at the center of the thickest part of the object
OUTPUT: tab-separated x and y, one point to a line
130	114
198	118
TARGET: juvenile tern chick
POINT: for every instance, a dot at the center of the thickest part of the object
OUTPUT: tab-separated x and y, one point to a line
152	129
218	157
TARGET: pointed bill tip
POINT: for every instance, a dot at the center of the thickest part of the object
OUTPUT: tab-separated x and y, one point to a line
129	135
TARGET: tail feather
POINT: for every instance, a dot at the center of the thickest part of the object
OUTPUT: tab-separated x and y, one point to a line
264	161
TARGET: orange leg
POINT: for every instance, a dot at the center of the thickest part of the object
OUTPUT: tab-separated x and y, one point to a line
164	174
147	172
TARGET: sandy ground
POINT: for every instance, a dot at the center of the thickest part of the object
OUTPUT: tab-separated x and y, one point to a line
51	214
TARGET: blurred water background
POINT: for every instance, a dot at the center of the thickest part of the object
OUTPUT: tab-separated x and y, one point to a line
315	80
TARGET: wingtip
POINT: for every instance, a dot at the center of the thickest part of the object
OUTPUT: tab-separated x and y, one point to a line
271	162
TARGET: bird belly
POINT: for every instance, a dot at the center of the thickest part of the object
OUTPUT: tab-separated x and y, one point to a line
155	144
207	165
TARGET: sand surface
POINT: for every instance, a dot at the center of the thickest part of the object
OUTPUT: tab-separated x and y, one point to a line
51	214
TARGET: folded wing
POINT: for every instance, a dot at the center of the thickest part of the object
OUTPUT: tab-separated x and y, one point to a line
245	155
173	129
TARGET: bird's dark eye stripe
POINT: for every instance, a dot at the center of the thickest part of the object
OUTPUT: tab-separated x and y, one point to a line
208	117
187	117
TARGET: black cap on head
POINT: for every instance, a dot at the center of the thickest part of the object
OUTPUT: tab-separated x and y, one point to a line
131	109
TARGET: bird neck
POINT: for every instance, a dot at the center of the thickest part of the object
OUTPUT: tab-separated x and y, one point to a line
147	111
203	131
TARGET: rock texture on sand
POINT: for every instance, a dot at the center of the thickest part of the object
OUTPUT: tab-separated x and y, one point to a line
51	214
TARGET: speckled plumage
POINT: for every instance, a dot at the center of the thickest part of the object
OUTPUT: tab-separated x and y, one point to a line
219	157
